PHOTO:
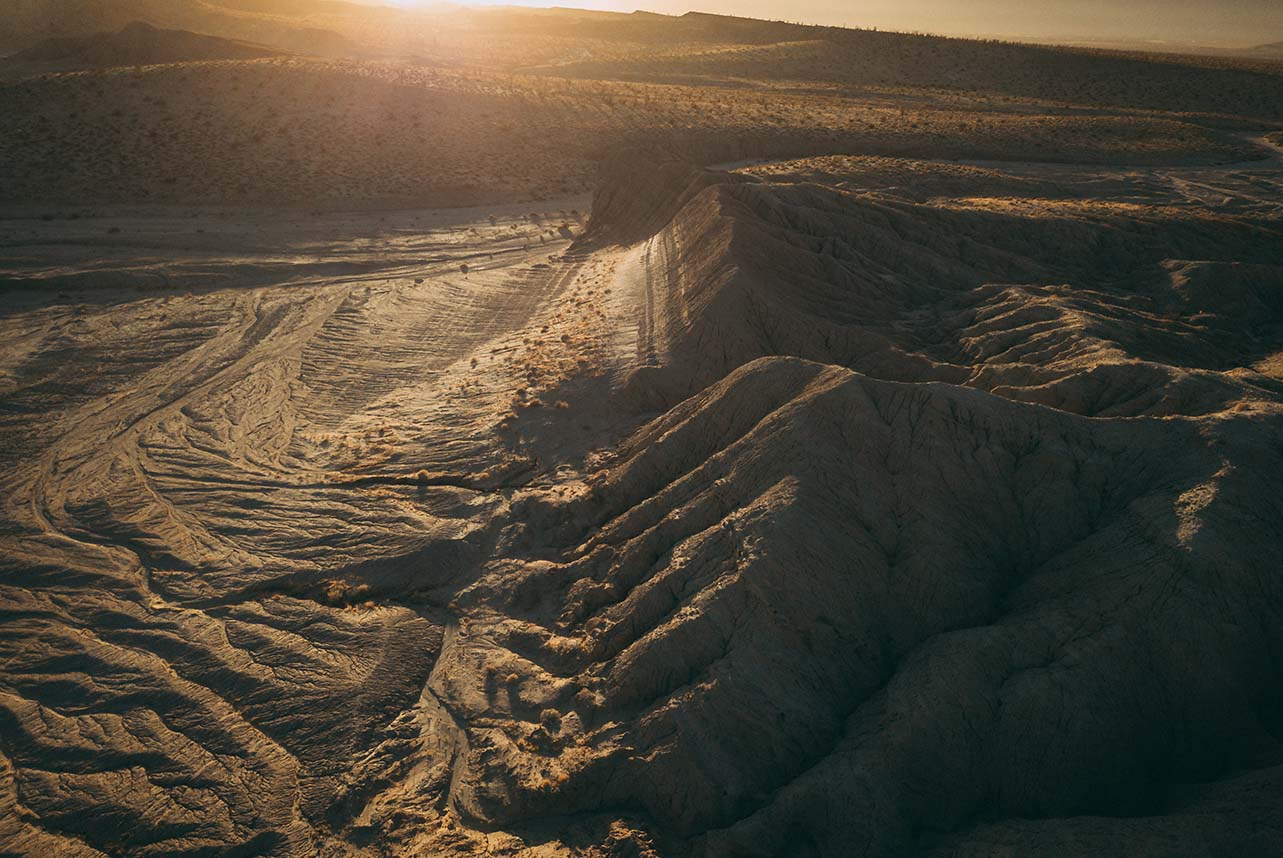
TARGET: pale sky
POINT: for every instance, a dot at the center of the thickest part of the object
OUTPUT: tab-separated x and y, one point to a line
1207	22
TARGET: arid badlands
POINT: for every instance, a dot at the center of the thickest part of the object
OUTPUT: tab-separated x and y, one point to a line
548	434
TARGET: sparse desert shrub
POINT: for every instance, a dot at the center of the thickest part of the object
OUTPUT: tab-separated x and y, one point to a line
336	591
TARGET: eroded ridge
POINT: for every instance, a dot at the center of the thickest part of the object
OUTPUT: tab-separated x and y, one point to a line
837	507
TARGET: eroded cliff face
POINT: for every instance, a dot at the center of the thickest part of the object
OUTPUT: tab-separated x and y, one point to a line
847	507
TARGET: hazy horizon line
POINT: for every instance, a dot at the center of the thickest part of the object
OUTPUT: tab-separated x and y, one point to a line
1223	30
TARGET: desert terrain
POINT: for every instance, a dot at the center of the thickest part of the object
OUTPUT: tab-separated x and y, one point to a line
547	434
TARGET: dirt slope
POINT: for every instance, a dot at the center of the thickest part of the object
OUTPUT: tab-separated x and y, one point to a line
145	478
811	610
1090	306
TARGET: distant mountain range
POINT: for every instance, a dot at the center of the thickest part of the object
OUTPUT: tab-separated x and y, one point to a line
137	43
368	29
27	23
1273	49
